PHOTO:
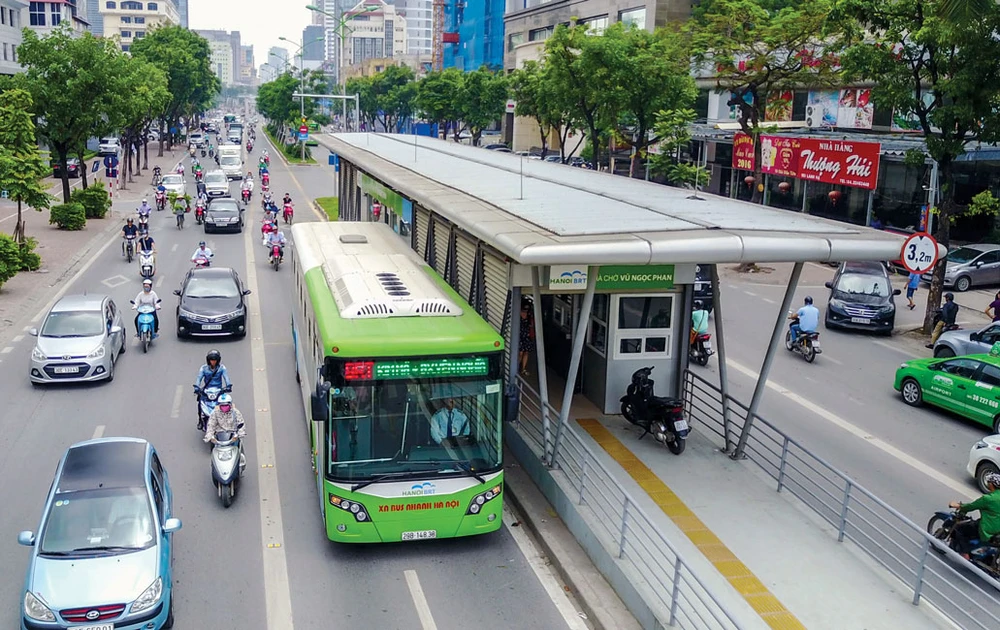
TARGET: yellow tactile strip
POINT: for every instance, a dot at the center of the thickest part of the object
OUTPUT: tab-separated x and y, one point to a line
725	561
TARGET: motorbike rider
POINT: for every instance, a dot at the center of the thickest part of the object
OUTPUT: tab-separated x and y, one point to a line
808	319
699	320
949	311
146	243
129	231
225	417
145	208
988	524
202	253
147	297
203	198
286	200
213	373
276	237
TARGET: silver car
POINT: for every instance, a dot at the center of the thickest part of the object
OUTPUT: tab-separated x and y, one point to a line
971	265
174	183
80	340
217	184
959	343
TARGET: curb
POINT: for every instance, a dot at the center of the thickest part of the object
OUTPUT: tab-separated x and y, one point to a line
320	211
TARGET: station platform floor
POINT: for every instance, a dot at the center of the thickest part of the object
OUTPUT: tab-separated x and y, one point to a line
774	561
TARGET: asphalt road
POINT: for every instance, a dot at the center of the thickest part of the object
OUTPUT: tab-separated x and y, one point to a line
220	554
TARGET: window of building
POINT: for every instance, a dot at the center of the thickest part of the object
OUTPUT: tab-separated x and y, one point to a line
799	101
13	52
139	20
125	47
644	326
5	51
111	5
129	5
3	15
514	40
635	17
596	25
36	14
540	34
150	6
140	34
126	34
597	334
126	19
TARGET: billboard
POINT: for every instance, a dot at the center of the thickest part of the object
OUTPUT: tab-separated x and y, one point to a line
835	162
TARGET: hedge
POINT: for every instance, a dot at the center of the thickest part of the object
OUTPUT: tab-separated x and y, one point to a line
68	216
95	201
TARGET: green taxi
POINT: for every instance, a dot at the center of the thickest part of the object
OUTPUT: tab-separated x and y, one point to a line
969	385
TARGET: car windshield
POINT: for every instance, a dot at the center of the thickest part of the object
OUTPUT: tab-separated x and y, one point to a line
216	208
215	178
73	324
172	179
863	284
202	287
113	519
230	160
963	255
400	428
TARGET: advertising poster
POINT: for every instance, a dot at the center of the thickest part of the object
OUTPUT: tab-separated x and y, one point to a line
779	155
779	107
743	152
734	112
821	110
907	121
855	110
839	162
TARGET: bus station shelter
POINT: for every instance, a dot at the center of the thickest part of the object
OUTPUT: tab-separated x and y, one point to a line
609	262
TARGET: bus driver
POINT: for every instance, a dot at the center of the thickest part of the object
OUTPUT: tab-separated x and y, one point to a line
448	422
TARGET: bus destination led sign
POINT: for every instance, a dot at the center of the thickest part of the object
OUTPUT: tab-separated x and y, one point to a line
432	368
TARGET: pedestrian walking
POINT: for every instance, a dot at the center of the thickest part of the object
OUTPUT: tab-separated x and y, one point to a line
995	307
526	340
911	287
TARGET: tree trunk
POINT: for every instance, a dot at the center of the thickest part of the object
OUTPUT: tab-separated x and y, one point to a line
595	146
83	169
63	153
145	153
943	236
18	234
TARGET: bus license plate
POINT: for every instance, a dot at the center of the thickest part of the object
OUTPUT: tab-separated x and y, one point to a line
66	370
860	320
103	626
211	326
420	535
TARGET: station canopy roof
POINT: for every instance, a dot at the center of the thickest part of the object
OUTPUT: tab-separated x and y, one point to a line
556	214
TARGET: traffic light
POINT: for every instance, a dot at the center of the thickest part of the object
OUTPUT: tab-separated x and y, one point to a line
303	119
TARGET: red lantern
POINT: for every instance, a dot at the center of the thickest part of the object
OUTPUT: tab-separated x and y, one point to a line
784	187
834	196
748	180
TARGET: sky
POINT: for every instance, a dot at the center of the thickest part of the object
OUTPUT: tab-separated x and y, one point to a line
260	22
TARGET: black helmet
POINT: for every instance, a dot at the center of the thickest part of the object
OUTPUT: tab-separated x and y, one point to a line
213	355
949	296
809	299
699	305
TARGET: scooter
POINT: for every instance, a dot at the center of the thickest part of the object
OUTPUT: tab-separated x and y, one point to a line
146	333
129	248
701	349
265	180
144	224
206	402
147	264
229	464
288	213
203	262
245	195
203	153
661	416
276	256
984	555
199	212
161	201
806	343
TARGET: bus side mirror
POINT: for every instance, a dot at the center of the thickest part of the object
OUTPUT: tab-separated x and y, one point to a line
320	403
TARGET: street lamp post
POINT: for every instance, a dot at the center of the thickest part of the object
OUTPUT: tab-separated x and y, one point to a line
302	87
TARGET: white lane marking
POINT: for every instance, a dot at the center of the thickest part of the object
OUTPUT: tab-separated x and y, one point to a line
768	300
174	248
750	293
417	593
27	328
17	338
827	357
98	432
542	571
905	458
899	350
6	350
159	282
175	409
114	281
277	593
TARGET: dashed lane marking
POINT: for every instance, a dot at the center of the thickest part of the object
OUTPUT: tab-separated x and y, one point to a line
7	350
417	593
175	409
98	432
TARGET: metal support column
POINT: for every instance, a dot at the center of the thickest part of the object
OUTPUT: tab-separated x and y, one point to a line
684	358
765	368
720	341
514	360
871	208
543	381
805	195
574	360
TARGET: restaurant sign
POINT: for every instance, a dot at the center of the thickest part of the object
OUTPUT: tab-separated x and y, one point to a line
836	162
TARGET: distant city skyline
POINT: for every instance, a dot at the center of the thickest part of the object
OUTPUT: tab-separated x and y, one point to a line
259	22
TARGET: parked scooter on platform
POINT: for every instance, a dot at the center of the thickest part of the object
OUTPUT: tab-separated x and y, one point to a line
806	343
701	349
984	554
228	464
661	416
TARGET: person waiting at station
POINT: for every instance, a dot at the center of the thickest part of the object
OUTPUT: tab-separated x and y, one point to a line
448	422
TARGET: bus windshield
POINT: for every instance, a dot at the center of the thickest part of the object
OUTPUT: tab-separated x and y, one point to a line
409	428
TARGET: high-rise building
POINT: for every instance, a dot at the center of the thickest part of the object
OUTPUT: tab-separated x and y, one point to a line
95	18
226	55
480	29
129	20
279	59
248	71
182	8
269	72
376	32
419	16
313	44
42	17
10	34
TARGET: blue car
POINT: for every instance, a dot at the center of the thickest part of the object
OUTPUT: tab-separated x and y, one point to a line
102	557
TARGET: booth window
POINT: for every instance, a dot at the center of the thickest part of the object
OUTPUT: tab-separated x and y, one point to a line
597	334
562	313
644	326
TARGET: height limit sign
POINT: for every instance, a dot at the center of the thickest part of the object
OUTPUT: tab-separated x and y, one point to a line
920	253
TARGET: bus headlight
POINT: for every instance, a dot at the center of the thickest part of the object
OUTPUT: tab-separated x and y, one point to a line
481	499
356	508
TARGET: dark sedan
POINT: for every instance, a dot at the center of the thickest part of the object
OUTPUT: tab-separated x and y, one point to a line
223	213
212	304
861	297
72	167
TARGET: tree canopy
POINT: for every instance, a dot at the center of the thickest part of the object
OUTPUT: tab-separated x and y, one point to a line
21	166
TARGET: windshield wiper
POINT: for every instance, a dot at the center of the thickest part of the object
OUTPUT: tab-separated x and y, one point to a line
462	464
383	477
103	548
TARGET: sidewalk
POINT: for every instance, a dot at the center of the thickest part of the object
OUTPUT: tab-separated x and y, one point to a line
775	563
64	252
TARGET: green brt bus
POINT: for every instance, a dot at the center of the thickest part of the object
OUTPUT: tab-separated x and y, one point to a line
403	383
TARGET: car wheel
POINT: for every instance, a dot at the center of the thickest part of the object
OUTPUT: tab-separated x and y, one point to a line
111	370
911	392
943	352
963	283
124	347
169	622
996	424
982	470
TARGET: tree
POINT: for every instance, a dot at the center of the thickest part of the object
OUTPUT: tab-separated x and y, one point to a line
21	166
395	92
757	54
944	74
275	101
143	97
531	89
364	87
72	84
673	129
438	97
482	100
958	11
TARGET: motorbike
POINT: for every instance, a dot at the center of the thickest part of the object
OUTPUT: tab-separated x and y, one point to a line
985	554
161	201
199	212
206	398
701	349
147	264
198	175
267	160
275	256
146	333
947	327
265	180
249	147
144	224
661	416
203	153
287	213
245	195
807	343
265	201
228	464
129	248
157	176
203	262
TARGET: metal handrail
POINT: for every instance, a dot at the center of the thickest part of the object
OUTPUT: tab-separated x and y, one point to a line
676	594
961	592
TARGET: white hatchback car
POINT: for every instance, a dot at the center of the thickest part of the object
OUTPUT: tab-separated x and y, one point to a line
984	458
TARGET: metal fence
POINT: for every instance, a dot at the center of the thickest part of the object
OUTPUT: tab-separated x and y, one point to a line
674	592
962	593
